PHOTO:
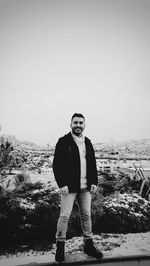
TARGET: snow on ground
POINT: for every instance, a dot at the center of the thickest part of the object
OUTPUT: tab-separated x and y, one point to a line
44	178
110	244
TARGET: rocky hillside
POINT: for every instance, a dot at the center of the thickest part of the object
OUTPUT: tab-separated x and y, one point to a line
129	147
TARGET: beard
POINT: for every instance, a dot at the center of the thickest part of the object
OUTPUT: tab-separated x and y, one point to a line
77	131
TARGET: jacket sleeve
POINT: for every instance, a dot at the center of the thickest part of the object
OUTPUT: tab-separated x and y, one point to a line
94	167
59	164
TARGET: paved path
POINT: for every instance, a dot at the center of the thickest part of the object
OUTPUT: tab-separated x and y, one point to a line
128	245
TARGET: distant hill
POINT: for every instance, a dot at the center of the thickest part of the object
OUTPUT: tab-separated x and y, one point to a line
127	147
23	144
134	147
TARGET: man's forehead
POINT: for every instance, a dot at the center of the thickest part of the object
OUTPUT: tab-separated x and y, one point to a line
78	119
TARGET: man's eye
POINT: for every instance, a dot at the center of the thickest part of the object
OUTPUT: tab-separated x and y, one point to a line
76	123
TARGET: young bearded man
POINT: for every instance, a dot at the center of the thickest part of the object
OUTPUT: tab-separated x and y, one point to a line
74	167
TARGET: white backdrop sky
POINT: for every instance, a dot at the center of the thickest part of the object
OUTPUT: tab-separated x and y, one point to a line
58	57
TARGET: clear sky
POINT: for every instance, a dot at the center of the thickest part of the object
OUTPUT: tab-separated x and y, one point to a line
58	57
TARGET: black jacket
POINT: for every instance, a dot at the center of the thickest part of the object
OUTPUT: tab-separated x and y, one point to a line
66	163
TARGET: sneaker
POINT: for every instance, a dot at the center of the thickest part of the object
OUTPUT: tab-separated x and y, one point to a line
60	251
91	250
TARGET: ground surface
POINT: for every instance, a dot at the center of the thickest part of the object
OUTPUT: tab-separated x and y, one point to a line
110	244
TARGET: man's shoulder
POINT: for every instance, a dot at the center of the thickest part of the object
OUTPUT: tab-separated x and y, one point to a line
87	140
67	137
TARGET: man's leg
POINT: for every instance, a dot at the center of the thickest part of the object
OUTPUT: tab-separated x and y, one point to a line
62	224
84	200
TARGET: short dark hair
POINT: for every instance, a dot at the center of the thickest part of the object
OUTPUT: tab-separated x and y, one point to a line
77	115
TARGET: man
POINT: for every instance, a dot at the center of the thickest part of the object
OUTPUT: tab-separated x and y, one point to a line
74	167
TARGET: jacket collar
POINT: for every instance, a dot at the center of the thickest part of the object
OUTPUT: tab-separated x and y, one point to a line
82	138
70	137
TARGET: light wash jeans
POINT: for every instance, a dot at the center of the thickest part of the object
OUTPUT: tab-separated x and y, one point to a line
84	202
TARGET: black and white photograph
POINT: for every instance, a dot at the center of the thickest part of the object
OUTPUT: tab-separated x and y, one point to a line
74	132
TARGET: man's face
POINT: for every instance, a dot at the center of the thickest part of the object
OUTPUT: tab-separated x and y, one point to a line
77	125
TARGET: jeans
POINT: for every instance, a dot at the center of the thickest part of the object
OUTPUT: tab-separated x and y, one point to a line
84	201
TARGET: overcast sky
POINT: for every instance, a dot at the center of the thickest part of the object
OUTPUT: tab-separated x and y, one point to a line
58	57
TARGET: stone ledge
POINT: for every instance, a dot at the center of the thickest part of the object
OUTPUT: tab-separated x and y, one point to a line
82	259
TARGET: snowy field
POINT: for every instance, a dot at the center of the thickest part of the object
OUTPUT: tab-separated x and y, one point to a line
44	178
